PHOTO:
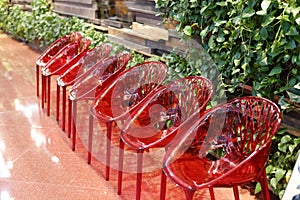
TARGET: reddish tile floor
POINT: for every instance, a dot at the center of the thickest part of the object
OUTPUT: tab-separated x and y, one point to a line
36	160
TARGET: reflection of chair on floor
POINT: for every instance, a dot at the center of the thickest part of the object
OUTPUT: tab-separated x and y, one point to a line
97	77
120	98
228	146
75	69
156	121
71	52
51	51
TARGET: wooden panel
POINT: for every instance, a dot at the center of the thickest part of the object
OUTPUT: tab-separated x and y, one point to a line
83	12
130	45
87	2
22	2
148	19
126	34
141	6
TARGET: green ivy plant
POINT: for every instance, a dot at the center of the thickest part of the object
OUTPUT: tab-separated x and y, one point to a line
253	42
284	151
43	26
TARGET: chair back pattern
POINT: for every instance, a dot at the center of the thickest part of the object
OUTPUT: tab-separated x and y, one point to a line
228	145
56	46
98	76
170	106
129	89
77	69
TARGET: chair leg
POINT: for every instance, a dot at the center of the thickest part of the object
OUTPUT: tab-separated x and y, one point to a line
236	192
212	194
189	194
37	81
57	102
74	116
43	91
120	170
90	140
163	185
108	149
48	94
139	174
264	186
70	117
64	101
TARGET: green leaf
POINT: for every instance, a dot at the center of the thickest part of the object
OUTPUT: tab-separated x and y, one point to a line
211	42
275	70
204	32
285	139
263	33
274	182
235	71
264	61
280	173
224	3
220	22
292	31
282	147
293	96
297	86
265	5
257	188
261	12
220	38
188	30
248	12
292	81
297	20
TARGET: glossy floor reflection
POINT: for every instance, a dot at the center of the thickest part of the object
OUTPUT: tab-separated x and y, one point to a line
36	160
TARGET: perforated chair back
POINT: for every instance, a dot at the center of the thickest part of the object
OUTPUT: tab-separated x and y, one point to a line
76	70
226	147
98	76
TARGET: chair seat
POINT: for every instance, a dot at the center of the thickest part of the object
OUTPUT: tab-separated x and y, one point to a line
189	171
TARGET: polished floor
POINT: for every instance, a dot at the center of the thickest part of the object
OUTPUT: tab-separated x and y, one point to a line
36	160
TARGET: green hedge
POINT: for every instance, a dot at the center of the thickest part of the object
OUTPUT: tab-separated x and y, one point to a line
256	43
253	42
41	25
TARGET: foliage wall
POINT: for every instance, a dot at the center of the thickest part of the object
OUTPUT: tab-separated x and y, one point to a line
255	43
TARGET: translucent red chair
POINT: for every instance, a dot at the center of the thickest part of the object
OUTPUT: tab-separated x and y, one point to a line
156	121
227	147
95	79
57	65
115	102
75	69
51	51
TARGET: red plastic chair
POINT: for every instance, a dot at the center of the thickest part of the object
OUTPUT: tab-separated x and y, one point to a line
74	71
228	146
95	79
51	51
58	65
155	122
115	102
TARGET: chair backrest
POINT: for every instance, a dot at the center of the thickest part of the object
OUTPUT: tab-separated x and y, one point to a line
77	69
129	89
75	50
232	139
56	46
98	76
165	111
